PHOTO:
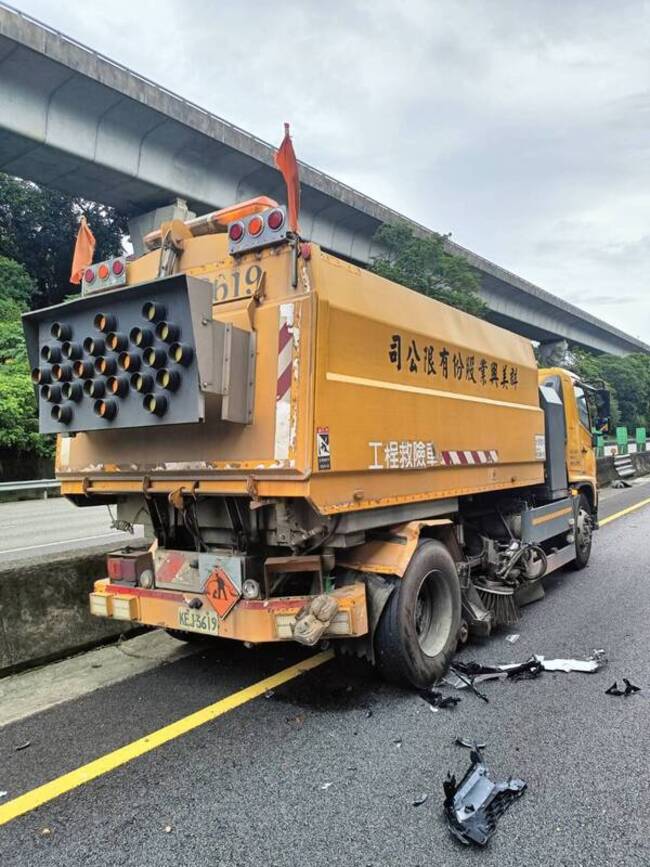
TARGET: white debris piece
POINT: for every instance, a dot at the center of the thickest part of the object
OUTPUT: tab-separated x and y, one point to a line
588	665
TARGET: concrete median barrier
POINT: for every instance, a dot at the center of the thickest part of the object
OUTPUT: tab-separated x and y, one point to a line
44	608
607	469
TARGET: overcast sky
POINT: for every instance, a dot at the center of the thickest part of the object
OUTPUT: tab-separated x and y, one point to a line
520	126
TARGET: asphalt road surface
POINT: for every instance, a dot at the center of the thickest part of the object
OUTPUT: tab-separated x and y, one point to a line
31	528
324	770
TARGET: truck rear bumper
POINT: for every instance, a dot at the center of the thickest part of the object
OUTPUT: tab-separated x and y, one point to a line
255	620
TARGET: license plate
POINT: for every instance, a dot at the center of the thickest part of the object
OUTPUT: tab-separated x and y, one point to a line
192	620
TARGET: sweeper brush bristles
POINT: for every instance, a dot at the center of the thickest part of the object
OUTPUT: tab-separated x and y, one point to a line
501	602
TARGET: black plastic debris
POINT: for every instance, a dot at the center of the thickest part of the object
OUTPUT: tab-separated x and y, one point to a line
419	801
527	670
436	699
467	681
630	688
468	674
23	746
474	805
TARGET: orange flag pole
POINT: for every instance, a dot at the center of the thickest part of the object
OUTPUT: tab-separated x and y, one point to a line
286	162
84	250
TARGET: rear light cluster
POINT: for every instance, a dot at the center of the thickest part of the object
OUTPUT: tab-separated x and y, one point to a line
105	275
257	230
131	567
111	365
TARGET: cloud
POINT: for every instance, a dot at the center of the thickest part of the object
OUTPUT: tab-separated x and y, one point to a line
519	127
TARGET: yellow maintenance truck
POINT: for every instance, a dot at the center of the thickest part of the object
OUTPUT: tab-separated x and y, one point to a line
317	453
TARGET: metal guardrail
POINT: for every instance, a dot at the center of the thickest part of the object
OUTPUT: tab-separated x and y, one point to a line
43	485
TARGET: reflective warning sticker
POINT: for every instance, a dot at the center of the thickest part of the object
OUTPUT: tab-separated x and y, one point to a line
323	448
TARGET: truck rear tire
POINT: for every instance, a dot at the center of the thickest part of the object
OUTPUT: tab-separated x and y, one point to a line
583	534
417	633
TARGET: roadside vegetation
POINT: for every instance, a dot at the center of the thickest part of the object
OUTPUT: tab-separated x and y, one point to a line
628	380
38	228
423	264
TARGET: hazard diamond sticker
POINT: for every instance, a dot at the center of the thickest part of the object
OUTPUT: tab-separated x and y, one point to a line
221	591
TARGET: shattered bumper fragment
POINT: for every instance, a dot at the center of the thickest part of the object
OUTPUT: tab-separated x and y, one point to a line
474	805
468	674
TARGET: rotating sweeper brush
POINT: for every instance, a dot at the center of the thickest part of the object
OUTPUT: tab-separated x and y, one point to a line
138	356
500	600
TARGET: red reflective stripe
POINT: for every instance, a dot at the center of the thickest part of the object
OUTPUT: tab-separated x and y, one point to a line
284	382
284	337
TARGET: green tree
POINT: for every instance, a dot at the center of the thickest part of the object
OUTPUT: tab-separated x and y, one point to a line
423	264
18	410
38	228
628	380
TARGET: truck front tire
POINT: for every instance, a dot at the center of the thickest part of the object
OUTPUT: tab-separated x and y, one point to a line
418	630
583	534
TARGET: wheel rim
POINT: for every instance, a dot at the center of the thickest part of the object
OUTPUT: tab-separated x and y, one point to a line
433	613
583	532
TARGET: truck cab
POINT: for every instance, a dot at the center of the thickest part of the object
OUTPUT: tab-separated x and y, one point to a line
579	450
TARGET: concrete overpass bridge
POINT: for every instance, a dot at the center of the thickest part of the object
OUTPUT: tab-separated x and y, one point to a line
76	121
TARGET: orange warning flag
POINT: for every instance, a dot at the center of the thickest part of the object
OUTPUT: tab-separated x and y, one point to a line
285	160
84	250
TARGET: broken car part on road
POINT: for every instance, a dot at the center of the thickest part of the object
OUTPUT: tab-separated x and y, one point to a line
435	699
630	689
468	674
474	805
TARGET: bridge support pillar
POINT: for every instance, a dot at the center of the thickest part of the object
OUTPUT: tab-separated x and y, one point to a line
553	353
142	224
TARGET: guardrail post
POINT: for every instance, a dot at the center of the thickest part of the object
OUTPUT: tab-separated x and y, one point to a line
621	440
641	439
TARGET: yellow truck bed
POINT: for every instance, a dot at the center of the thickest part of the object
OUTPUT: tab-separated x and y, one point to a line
366	394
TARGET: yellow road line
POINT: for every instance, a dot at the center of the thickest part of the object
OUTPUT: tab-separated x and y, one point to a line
59	786
623	512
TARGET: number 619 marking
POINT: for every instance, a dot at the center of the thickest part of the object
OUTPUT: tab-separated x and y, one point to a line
228	287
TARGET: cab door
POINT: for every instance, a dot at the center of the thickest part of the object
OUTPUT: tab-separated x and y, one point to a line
581	457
